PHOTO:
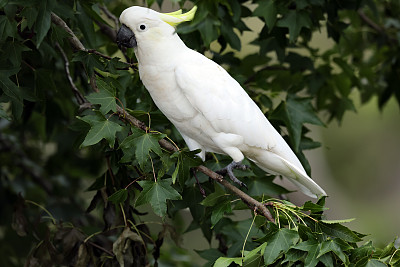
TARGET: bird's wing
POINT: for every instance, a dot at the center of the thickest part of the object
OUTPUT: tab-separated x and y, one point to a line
223	102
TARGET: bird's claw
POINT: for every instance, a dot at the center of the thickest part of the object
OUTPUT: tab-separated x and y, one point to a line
229	170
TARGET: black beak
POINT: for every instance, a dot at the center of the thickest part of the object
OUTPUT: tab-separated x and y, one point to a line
126	37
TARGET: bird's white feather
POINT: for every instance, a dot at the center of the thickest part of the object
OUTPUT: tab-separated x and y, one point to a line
209	108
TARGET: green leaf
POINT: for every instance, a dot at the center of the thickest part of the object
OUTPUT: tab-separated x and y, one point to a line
340	231
293	255
157	193
106	97
12	91
119	196
43	21
295	20
312	247
186	161
224	261
313	207
142	143
3	3
7	28
208	31
214	198
91	61
58	34
338	221
295	112
100	128
99	183
364	251
231	37
336	247
375	263
210	254
3	113
87	28
267	9
30	13
255	257
219	210
14	50
265	186
279	242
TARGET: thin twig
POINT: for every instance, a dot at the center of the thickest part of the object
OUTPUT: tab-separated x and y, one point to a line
110	15
101	248
202	191
370	22
79	97
251	202
129	65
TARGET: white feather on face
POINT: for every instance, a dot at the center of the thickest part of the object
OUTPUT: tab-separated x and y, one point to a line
208	107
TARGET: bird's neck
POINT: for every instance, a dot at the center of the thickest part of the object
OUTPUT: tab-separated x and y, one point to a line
163	51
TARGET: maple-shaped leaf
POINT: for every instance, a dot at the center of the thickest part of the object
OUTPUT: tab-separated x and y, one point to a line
280	241
337	246
268	11
157	193
294	112
91	61
139	145
105	97
295	20
100	127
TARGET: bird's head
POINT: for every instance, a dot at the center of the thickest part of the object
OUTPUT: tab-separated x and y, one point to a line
140	24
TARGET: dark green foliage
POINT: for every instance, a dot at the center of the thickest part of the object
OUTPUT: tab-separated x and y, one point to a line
58	139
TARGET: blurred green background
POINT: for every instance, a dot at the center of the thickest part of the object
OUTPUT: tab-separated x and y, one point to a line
359	166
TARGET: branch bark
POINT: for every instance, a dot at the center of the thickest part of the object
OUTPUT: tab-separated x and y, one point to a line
251	202
381	30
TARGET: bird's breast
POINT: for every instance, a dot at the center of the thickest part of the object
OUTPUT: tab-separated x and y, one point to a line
161	83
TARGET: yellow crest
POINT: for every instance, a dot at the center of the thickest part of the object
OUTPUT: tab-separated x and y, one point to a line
176	17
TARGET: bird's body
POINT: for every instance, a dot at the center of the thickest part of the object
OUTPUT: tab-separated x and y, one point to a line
208	107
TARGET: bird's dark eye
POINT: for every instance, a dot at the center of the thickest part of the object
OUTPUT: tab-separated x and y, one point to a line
142	27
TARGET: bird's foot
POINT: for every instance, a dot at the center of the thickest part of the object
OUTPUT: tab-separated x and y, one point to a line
229	170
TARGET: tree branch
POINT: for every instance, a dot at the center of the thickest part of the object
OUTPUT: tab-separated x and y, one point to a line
251	202
75	43
376	27
110	15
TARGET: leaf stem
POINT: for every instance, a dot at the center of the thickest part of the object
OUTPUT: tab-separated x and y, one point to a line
247	235
123	214
154	172
42	208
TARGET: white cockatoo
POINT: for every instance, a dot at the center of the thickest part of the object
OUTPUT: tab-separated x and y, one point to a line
208	107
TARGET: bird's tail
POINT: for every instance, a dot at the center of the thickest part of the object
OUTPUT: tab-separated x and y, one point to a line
296	175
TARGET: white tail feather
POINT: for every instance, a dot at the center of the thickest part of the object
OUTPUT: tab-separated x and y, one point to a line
296	175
